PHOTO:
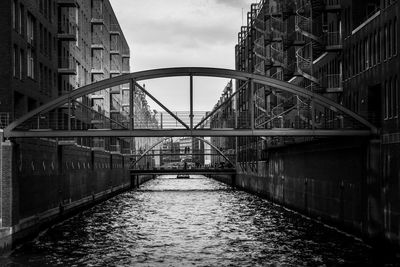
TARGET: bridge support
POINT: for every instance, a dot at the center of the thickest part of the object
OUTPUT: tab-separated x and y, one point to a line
8	195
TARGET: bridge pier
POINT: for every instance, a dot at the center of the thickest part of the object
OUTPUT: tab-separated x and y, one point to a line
9	195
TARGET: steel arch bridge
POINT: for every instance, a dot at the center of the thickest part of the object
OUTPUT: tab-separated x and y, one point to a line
336	119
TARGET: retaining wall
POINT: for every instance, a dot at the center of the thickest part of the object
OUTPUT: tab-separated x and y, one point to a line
338	181
42	182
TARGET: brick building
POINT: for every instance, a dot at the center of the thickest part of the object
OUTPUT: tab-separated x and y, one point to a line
344	50
51	47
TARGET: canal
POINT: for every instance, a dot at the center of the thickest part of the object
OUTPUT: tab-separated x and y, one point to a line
191	222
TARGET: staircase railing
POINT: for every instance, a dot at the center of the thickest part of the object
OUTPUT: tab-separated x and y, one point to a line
278	56
305	25
304	62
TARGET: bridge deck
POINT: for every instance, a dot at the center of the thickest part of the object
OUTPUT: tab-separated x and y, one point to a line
182	171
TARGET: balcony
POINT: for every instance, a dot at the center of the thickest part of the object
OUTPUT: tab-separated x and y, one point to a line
332	83
67	32
67	66
97	16
97	46
333	5
97	97
333	41
115	72
259	68
114	29
97	71
278	56
115	51
68	3
116	90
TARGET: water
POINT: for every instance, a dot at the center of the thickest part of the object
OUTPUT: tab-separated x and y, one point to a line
191	222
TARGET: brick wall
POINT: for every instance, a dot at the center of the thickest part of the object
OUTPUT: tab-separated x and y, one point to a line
8	209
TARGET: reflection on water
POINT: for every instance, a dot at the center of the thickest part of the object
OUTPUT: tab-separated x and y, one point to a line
197	221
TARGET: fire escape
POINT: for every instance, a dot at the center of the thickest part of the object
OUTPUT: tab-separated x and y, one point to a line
319	42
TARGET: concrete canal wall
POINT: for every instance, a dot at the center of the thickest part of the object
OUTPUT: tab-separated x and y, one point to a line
337	181
43	181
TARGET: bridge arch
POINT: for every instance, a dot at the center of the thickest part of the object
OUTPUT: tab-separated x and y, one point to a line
132	164
134	77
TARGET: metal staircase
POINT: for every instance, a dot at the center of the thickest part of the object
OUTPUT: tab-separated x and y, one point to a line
311	31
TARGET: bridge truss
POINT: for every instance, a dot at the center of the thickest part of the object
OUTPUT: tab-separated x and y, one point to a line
296	111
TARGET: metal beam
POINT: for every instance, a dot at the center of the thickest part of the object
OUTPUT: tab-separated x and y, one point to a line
251	104
133	162
132	104
220	106
179	171
191	154
216	149
100	114
162	106
184	133
191	102
163	140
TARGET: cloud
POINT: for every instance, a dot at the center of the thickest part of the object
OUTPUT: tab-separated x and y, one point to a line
177	33
234	3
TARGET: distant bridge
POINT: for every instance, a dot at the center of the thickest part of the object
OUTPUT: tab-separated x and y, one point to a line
199	171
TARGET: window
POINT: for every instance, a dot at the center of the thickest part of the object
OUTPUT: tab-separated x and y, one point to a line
14	14
379	47
50	46
383	37
386	100
390	39
45	7
30	64
15	61
77	36
394	37
45	45
50	10
21	19
390	99
30	28
21	63
45	85
386	48
40	77
41	38
50	82
41	6
366	53
396	98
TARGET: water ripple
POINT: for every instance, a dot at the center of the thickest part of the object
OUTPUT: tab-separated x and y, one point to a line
190	222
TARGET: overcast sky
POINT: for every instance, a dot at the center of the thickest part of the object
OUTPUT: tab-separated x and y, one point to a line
180	33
